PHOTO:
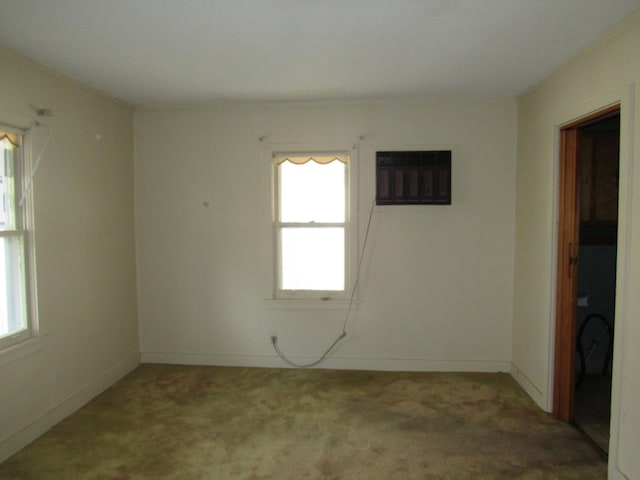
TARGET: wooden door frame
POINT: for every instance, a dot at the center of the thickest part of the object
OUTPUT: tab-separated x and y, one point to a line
567	259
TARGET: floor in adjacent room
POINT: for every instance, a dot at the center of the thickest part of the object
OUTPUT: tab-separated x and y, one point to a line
192	422
592	410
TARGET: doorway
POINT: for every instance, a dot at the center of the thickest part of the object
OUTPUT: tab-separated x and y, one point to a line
587	251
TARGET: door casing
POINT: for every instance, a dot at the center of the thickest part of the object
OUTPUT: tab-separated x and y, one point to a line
567	260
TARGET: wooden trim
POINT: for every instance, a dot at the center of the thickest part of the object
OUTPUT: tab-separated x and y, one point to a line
568	245
566	276
598	116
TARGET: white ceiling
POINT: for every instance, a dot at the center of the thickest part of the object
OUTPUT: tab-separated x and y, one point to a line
187	52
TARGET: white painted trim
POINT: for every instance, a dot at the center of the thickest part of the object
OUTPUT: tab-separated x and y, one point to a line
553	281
17	440
22	349
623	292
338	363
310	304
616	474
530	387
351	224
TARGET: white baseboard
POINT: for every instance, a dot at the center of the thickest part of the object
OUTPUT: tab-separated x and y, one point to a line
533	390
616	474
338	363
18	440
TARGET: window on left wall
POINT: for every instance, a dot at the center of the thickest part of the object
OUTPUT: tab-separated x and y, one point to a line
16	317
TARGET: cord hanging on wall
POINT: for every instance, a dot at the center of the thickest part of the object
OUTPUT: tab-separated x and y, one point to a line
46	112
343	334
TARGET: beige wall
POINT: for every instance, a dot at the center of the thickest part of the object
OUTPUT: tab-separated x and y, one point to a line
436	286
605	74
83	193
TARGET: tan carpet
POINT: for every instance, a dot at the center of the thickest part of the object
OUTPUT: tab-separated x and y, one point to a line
192	423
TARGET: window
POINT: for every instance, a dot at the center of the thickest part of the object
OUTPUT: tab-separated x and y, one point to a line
311	223
15	324
413	178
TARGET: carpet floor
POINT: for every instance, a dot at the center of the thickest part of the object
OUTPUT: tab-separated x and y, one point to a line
197	423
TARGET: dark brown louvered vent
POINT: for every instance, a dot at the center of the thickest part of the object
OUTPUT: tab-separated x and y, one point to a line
413	178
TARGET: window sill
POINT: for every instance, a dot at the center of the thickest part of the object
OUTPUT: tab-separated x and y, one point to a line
309	304
22	349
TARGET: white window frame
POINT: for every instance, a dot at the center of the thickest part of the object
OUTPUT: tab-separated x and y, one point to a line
350	223
23	205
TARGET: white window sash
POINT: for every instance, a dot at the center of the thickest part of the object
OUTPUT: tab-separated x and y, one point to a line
321	157
21	229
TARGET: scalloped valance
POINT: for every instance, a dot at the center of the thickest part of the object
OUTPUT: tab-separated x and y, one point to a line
13	138
323	158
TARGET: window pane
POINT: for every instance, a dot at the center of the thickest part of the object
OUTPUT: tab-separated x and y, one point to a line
12	302
312	258
312	192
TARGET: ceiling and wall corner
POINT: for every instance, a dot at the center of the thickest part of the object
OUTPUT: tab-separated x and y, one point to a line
199	52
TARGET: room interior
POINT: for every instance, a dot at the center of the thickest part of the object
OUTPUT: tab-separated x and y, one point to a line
153	214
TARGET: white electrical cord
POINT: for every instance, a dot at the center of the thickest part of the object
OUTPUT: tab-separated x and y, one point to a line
29	182
274	339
